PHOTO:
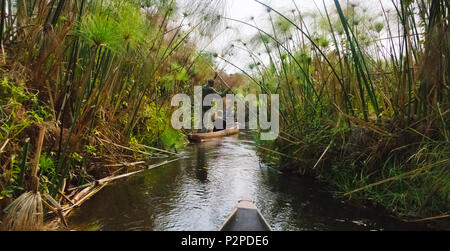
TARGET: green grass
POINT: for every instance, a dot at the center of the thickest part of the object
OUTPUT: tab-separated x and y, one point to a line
92	74
386	150
347	78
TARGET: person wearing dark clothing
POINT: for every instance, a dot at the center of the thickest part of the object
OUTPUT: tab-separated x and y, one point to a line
208	89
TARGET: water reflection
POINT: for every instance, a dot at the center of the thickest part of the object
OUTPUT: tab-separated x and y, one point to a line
198	193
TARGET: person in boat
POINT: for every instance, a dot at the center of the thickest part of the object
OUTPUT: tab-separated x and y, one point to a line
208	89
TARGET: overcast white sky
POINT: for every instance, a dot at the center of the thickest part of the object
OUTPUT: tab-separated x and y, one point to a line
245	9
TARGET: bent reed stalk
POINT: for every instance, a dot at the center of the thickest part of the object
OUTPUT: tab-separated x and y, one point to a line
383	103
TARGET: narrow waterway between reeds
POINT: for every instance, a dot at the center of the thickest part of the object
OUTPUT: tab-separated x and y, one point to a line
198	193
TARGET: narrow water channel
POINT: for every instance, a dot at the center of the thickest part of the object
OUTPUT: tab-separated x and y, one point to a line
198	193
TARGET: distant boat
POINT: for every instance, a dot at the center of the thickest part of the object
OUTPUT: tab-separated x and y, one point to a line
199	137
245	217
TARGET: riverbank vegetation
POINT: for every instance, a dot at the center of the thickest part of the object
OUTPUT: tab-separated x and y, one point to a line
94	77
364	100
85	90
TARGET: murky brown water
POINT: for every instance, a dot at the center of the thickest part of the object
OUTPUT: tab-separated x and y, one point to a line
199	192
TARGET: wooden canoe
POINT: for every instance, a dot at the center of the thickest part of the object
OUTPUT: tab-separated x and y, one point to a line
198	137
245	217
